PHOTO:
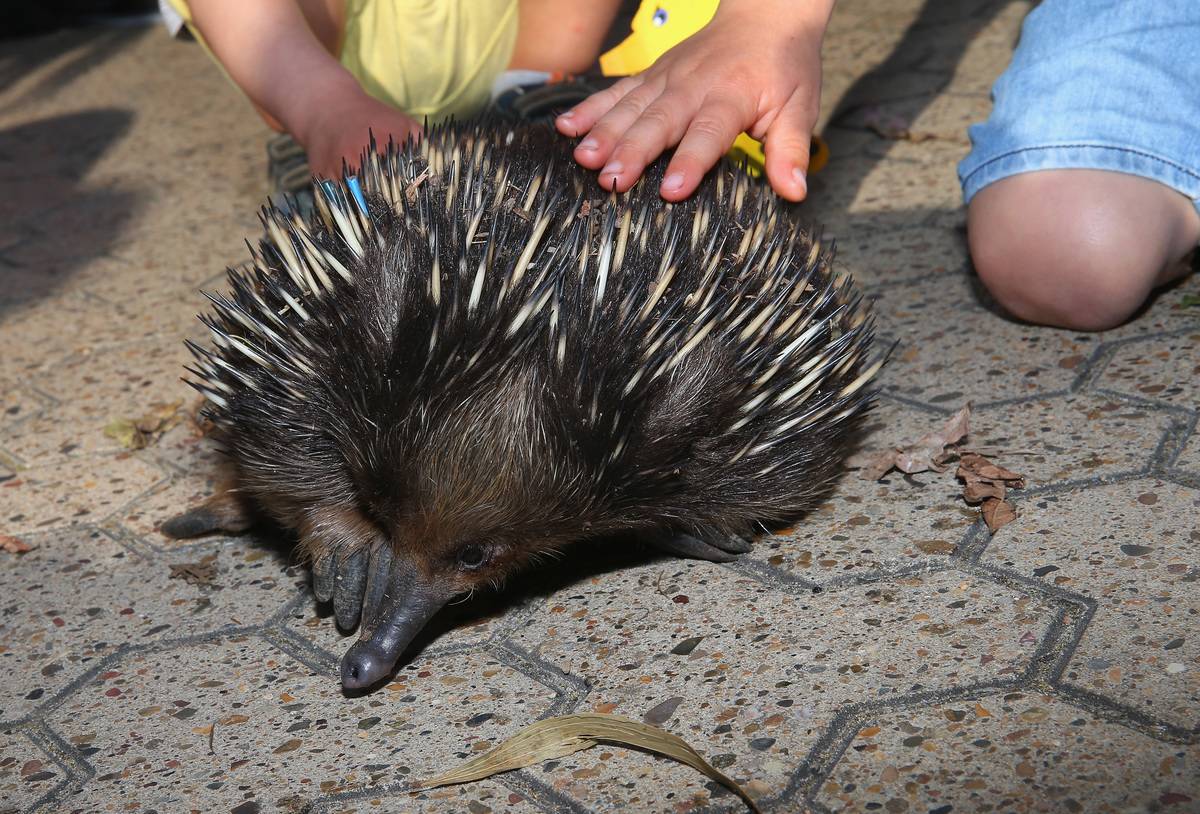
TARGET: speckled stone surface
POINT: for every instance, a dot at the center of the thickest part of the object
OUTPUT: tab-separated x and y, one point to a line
26	773
751	688
867	527
51	635
1123	546
235	721
1164	369
884	654
1014	752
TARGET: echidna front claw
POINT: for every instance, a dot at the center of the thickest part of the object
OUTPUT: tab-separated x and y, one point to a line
323	577
350	584
716	549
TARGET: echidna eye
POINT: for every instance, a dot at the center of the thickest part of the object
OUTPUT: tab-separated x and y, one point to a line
660	17
472	556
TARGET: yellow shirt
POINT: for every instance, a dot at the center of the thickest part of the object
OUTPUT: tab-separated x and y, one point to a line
429	58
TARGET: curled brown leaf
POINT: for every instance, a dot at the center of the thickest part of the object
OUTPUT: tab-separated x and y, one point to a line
929	453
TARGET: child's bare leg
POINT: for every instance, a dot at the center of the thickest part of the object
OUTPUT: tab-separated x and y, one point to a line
558	35
1079	249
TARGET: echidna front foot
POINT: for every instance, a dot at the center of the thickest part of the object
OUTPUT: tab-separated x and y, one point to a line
714	548
224	511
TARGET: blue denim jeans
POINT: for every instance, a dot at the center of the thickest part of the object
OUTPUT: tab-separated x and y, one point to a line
1097	84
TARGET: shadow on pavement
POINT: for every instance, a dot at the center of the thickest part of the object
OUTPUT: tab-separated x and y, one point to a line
55	221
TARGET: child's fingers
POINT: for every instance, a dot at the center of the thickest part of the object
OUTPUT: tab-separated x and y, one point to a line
659	126
595	150
787	145
580	119
708	137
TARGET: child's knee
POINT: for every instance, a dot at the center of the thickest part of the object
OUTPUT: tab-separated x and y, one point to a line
1075	249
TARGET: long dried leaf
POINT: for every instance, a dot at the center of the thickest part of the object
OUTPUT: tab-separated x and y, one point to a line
556	737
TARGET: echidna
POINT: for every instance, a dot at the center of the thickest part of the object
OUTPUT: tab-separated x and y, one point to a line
462	364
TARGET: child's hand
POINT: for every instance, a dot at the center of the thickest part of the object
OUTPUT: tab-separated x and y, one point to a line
755	67
340	126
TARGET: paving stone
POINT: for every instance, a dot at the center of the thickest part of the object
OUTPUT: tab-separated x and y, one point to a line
1069	438
67	494
95	389
75	598
1015	752
482	797
752	688
1165	369
950	351
16	404
868	525
280	735
196	468
1189	458
979	49
1122	545
38	332
26	772
877	258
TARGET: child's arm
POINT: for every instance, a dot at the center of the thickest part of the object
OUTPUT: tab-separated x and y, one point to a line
271	52
755	67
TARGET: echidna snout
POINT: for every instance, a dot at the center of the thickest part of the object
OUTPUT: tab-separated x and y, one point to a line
471	358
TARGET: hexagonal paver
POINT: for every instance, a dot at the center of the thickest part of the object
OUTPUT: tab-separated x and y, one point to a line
16	404
78	595
702	650
879	257
1069	438
1168	310
68	493
1016	752
482	797
26	772
94	389
236	721
1189	457
868	525
37	333
1165	369
1125	546
951	351
197	470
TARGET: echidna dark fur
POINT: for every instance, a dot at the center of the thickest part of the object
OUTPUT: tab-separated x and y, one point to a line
493	359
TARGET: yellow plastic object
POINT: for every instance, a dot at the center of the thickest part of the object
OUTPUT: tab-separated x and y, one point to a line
660	25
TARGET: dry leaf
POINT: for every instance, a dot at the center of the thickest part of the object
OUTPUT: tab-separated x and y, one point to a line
14	545
986	483
892	127
196	573
997	513
929	453
557	737
138	433
973	466
125	432
410	192
978	491
162	417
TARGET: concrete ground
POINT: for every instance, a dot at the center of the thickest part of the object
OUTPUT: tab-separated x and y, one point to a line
885	655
